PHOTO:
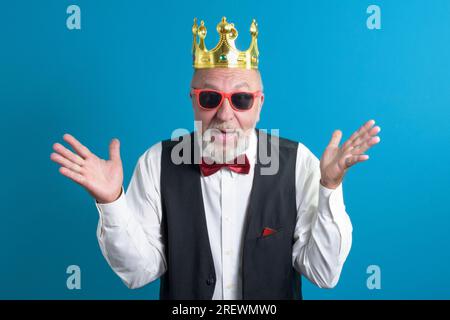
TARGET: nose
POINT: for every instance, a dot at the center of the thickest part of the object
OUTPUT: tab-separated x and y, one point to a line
225	111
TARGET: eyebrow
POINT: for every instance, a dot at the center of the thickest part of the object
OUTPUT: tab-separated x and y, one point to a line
239	85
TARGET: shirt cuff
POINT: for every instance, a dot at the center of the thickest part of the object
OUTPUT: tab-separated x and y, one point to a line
332	208
114	214
331	204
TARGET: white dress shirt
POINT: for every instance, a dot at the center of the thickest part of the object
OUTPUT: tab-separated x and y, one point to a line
129	229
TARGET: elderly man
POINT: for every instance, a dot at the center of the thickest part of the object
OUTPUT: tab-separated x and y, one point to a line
221	228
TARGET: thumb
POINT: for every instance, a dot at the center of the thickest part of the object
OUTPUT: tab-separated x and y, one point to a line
114	150
335	139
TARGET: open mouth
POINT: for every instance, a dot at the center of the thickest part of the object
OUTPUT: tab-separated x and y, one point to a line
227	131
223	135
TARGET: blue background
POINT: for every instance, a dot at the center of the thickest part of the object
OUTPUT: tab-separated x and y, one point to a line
322	68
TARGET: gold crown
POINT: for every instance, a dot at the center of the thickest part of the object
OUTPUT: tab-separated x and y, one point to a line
224	54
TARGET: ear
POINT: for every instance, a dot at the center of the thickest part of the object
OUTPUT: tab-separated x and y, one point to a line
260	107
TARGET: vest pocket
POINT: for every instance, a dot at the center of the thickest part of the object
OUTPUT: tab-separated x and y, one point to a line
274	235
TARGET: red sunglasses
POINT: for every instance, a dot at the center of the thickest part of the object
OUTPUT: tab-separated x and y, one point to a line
239	100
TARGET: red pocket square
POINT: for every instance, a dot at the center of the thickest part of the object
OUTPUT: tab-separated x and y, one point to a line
268	231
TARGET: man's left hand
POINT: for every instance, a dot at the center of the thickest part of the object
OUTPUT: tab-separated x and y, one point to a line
336	160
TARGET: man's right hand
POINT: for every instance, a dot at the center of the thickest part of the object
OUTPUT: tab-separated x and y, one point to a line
101	178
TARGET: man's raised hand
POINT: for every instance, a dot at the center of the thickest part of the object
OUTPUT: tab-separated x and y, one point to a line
101	178
336	160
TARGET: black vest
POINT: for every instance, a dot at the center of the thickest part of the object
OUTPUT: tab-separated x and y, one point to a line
267	271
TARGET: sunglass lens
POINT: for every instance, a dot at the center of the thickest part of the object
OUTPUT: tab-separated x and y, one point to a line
242	100
209	99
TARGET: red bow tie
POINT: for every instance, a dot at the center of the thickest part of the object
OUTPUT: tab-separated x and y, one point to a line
209	169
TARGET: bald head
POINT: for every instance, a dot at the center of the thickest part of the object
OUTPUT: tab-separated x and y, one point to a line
227	79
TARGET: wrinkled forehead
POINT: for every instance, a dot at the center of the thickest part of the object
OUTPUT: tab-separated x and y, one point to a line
227	79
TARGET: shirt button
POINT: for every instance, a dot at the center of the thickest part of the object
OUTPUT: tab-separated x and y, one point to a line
228	252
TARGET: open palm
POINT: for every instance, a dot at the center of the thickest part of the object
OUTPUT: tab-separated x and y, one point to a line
101	178
336	160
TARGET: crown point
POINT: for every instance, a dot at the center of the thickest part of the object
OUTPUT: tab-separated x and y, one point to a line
224	27
254	28
202	30
195	27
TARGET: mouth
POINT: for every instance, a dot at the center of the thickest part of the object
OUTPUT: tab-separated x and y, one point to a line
227	131
224	135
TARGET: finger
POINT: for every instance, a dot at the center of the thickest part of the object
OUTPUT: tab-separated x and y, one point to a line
114	150
352	160
65	162
335	139
66	153
82	150
355	135
364	137
368	143
78	178
359	132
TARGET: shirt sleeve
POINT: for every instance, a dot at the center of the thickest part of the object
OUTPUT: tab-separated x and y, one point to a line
323	232
129	229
